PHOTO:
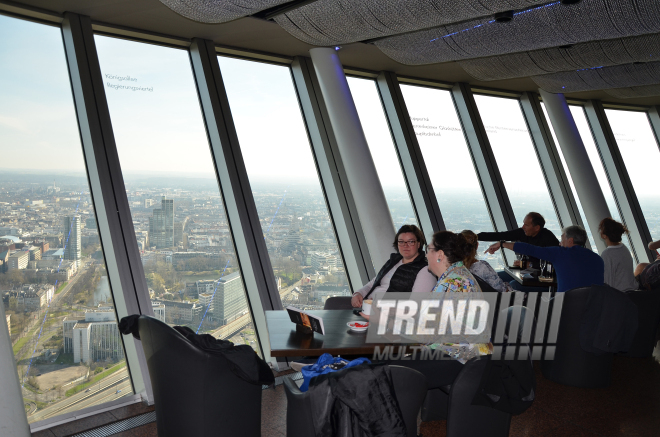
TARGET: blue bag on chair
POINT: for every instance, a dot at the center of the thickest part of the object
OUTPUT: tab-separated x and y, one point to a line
326	364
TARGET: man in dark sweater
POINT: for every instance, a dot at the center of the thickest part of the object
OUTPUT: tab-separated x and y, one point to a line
576	266
533	232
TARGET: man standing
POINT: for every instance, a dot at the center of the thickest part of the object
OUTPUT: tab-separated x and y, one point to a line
576	266
533	232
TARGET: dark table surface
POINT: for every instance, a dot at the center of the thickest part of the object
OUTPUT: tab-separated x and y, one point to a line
338	338
515	274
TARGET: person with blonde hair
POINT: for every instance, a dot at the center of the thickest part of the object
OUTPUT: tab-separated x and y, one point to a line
481	268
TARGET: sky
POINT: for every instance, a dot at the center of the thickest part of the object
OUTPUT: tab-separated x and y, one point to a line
159	128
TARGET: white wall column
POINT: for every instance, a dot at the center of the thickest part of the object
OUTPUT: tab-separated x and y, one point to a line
578	162
13	421
363	179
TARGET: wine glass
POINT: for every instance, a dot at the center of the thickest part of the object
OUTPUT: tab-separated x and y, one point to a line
543	264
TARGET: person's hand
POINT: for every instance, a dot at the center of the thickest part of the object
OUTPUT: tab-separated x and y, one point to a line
356	300
364	315
493	248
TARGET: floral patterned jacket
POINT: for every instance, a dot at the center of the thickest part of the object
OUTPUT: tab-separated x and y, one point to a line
458	279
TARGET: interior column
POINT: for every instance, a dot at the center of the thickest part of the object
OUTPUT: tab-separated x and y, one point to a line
578	162
365	186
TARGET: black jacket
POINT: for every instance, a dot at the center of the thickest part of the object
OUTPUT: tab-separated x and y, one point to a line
356	402
609	322
404	277
544	238
242	359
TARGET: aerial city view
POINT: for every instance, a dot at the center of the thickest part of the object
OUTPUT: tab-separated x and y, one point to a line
56	290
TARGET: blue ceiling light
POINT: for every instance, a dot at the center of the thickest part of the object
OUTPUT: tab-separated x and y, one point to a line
500	17
337	48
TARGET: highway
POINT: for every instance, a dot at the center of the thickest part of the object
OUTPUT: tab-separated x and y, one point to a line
99	392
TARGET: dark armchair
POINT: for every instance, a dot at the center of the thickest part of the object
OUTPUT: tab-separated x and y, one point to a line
571	364
195	393
648	305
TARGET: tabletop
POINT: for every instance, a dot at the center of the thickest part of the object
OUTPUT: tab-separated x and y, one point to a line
338	338
515	274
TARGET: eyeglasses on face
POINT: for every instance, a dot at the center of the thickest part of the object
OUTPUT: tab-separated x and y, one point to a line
406	243
430	249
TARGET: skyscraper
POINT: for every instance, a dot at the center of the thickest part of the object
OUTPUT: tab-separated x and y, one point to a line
229	301
161	225
72	239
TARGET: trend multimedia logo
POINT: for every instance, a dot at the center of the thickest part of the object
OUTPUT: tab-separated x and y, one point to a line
413	325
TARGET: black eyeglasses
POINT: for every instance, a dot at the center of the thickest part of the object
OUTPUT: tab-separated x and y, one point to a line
406	243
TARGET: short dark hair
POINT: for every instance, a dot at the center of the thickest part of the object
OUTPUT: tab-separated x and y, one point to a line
577	233
537	219
413	230
612	229
454	246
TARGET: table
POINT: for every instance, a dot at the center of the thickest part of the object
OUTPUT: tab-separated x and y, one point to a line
515	274
338	338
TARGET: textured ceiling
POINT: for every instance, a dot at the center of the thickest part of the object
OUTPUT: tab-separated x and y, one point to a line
632	92
599	78
552	25
331	22
585	55
219	11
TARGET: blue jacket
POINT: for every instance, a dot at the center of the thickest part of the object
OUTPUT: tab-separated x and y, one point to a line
575	266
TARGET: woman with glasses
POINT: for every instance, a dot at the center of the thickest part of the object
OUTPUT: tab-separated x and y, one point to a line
405	271
445	257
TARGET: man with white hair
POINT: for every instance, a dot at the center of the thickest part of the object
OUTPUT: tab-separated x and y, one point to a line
576	266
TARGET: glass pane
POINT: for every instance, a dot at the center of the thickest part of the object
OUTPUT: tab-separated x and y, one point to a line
187	251
516	159
592	242
306	260
377	131
456	185
69	353
641	156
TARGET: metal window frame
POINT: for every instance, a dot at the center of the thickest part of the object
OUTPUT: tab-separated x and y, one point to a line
240	208
555	176
619	180
485	165
110	203
418	183
654	119
332	175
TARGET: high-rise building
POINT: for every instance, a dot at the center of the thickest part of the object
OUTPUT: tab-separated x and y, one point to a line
72	239
95	338
229	301
323	260
161	225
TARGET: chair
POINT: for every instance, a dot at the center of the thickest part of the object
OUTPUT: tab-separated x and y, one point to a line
465	419
338	303
648	305
454	402
571	364
485	286
196	393
409	386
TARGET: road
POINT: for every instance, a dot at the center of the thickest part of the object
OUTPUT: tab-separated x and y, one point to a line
99	392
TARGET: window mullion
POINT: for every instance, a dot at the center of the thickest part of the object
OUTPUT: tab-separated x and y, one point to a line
122	256
617	174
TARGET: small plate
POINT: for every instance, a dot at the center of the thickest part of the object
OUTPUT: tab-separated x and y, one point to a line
363	326
545	279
